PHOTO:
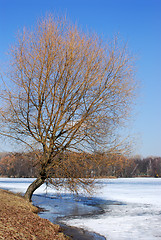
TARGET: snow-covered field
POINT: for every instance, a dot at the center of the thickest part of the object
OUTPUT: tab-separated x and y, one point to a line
130	208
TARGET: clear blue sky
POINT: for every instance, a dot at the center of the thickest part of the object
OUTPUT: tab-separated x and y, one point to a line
137	21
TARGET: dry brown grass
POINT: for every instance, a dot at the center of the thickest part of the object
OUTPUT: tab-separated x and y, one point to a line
19	221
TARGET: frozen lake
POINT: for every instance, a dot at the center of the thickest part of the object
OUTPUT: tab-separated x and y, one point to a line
124	209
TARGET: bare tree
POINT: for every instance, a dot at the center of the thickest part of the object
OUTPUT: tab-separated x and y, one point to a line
65	90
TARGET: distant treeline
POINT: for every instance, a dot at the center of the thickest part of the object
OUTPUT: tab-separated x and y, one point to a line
79	165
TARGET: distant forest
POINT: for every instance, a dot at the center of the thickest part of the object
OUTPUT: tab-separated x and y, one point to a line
99	165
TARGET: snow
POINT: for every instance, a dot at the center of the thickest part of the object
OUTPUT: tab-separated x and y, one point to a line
137	214
131	207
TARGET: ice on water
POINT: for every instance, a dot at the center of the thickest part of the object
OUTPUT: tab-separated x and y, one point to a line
131	208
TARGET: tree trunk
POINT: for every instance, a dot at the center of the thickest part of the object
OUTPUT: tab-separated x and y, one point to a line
33	186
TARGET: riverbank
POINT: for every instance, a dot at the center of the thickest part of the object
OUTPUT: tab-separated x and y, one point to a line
18	220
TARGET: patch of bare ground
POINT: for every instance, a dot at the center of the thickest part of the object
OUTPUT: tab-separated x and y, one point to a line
19	221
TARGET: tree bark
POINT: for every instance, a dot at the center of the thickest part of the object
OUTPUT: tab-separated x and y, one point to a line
33	186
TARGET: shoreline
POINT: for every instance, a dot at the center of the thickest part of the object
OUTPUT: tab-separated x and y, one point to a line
79	233
72	232
75	233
